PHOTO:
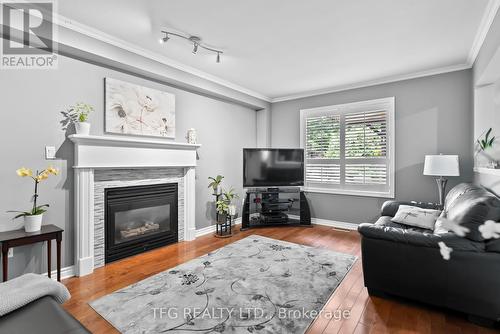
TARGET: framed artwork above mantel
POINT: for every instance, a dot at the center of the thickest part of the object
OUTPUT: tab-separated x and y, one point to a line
132	109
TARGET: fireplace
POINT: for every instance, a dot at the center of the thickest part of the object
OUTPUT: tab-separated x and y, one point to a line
139	218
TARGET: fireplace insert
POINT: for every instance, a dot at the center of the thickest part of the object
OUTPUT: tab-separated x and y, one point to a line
139	218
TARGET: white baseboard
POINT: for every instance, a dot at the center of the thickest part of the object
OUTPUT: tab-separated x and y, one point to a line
331	223
211	228
315	221
334	223
66	272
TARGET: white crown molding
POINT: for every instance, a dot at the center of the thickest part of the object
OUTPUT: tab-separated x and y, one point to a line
484	27
489	14
101	36
374	82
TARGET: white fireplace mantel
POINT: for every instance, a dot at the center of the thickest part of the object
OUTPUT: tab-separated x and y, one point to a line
99	152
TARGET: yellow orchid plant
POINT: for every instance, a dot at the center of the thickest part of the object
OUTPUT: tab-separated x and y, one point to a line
37	177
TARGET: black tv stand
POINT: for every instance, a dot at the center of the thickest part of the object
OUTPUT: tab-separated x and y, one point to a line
275	207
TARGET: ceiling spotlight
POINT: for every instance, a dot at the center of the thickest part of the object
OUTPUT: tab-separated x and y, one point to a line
164	39
218	57
195	48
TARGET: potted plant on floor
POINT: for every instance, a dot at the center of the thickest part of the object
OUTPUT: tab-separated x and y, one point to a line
33	218
215	184
79	115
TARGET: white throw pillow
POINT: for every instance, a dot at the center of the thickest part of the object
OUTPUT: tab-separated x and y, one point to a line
439	226
415	216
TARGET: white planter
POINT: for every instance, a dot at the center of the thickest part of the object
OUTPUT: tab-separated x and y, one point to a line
231	210
33	223
82	128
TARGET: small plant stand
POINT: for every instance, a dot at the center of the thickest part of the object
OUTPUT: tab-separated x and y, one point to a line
223	225
224	229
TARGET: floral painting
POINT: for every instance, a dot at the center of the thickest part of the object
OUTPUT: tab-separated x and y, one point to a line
137	110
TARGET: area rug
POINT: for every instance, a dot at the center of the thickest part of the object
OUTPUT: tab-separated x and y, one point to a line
254	285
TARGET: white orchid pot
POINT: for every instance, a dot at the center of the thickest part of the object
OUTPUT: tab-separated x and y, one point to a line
491	156
82	128
33	223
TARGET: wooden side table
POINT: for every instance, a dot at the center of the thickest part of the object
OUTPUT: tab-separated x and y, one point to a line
20	237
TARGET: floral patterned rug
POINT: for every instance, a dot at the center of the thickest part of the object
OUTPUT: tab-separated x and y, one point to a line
254	285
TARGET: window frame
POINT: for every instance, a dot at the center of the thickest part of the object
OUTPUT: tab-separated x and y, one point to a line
388	104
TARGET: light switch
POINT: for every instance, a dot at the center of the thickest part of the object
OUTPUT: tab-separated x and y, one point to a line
50	152
11	252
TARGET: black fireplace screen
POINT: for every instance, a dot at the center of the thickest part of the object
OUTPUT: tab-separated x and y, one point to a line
139	218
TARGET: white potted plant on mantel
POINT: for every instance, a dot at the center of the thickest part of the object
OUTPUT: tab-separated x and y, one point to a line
33	218
79	115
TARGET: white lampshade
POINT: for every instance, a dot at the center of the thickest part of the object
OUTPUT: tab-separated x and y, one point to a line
441	165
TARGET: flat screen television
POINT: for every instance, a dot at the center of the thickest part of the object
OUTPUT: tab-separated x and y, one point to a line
273	167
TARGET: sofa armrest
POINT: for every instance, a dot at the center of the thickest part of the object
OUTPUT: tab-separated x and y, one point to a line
422	239
389	208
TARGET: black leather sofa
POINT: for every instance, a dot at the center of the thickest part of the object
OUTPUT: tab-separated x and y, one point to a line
405	261
43	316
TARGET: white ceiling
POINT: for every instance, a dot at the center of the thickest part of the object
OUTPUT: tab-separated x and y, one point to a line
281	48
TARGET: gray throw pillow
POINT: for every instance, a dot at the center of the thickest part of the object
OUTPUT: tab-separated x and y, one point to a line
415	216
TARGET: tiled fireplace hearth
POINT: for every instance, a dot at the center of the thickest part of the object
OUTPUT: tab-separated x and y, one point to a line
111	181
108	162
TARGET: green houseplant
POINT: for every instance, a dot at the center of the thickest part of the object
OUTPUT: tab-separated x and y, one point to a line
33	218
229	196
215	184
488	149
225	206
79	114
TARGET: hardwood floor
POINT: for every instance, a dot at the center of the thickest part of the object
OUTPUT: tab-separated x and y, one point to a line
367	314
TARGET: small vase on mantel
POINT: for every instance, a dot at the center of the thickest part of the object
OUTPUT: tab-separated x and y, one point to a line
82	128
33	223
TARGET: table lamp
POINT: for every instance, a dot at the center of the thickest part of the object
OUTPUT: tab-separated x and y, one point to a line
441	165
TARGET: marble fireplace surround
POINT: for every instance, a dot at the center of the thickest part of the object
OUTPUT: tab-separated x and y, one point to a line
98	157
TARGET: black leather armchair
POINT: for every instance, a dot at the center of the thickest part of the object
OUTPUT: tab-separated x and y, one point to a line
405	261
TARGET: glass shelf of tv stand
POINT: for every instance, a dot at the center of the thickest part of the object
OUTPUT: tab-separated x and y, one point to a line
272	190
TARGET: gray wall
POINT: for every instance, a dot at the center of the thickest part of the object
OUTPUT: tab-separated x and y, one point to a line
488	49
31	101
486	110
433	115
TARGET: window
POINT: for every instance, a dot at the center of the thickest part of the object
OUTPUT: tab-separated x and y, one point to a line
349	148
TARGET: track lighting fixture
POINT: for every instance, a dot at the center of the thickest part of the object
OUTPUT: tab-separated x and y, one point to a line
193	39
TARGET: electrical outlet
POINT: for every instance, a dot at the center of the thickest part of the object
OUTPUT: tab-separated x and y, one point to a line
11	252
50	152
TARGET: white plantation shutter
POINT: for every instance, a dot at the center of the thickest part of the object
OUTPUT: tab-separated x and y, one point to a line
323	149
366	134
349	148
